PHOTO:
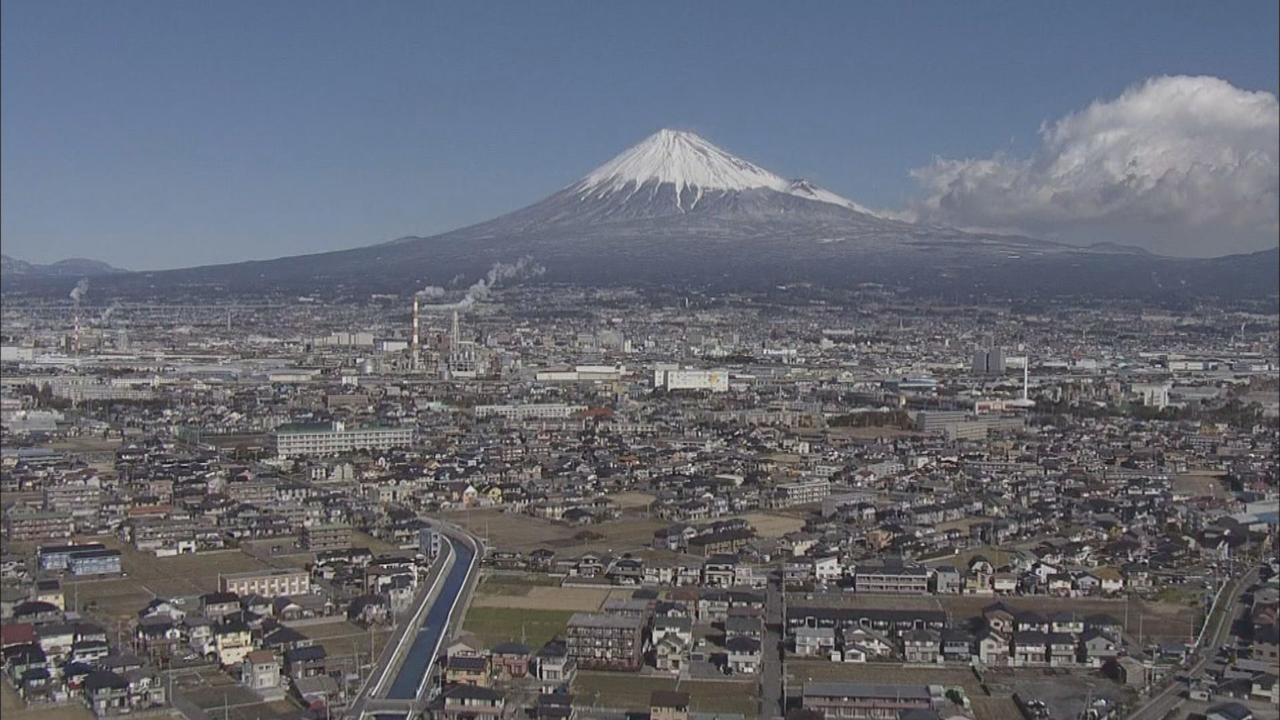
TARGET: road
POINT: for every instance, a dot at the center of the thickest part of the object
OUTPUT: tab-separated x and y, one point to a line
1215	636
771	654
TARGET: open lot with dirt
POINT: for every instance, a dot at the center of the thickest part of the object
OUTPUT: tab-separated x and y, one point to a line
511	531
1200	484
541	597
631	691
774	524
147	576
632	500
342	639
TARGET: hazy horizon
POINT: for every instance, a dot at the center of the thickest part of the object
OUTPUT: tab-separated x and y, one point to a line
154	136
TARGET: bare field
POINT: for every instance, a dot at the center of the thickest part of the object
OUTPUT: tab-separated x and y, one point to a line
343	639
531	627
541	597
632	500
773	524
1200	484
997	556
147	576
616	536
512	531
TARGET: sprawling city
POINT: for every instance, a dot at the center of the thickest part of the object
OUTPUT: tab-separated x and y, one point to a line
684	440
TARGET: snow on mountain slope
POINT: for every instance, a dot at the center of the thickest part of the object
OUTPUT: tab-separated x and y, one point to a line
805	189
693	167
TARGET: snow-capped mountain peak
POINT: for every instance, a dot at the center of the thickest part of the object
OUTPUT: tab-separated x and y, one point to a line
693	167
679	158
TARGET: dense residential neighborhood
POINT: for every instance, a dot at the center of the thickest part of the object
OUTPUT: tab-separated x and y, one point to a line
680	511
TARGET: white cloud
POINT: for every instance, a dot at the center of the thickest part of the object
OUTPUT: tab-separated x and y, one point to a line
1180	165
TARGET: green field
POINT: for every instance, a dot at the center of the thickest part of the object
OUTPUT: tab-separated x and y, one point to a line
532	627
629	691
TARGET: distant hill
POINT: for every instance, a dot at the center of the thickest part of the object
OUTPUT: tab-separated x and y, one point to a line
69	268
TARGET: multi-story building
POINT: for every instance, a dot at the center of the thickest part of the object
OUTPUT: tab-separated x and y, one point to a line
891	576
671	378
58	557
253	492
319	439
268	583
799	493
94	562
81	500
326	537
605	642
27	525
857	701
530	411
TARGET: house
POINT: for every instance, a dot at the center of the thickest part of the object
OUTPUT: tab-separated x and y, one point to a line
555	669
1029	621
671	653
1066	622
946	580
305	662
510	660
663	626
865	643
814	641
922	646
554	706
744	655
260	672
232	641
668	705
106	692
471	702
316	692
466	670
1062	649
957	645
1096	648
745	626
1126	670
217	605
992	648
1028	648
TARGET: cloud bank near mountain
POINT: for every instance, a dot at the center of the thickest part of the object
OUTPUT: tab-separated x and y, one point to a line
1177	164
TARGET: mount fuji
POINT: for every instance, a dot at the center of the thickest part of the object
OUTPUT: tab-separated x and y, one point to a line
677	210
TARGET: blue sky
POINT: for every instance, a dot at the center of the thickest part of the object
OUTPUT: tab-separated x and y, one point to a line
165	134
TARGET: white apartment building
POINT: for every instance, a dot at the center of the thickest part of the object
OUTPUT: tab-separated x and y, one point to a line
318	439
531	411
268	583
